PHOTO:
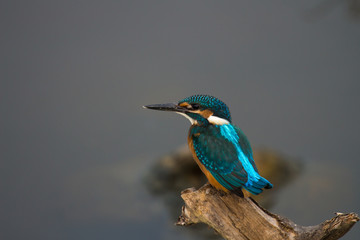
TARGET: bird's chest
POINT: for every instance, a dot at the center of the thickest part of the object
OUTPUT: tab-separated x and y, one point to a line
191	136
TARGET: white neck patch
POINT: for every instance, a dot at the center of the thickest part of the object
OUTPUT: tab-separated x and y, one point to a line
217	120
193	121
212	119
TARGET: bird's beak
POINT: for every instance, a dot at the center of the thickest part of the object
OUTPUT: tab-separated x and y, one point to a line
166	107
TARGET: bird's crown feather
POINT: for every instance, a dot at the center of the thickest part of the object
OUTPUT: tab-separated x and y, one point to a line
211	103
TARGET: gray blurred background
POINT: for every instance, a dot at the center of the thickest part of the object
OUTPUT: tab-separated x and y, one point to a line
75	142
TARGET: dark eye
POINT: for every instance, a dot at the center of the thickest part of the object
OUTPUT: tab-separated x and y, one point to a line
195	106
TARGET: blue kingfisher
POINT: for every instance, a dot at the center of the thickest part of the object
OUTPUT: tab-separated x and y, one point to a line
220	148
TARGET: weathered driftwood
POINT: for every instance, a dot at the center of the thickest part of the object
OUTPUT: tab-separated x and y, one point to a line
242	218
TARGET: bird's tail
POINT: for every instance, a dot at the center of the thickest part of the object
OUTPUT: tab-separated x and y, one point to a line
255	187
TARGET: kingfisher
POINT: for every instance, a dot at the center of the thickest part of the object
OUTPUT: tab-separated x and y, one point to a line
220	148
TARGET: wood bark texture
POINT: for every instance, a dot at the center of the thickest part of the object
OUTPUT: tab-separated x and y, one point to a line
239	218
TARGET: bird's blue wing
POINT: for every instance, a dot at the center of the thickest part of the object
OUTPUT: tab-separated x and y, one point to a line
256	182
225	151
245	146
219	156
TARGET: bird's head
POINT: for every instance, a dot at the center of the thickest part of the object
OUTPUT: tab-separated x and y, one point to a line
199	109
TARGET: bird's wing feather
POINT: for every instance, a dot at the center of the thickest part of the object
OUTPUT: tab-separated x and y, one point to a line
245	146
220	156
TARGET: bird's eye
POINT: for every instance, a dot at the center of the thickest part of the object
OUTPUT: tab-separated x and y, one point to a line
195	106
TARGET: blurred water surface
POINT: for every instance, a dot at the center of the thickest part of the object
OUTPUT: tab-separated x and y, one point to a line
75	142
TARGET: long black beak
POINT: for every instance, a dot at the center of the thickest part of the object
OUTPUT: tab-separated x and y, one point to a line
166	107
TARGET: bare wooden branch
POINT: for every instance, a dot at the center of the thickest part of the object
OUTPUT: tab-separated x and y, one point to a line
243	219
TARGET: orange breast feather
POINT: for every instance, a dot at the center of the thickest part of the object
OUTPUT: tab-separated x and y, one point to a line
208	175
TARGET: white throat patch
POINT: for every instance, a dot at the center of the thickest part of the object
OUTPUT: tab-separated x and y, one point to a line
212	119
193	121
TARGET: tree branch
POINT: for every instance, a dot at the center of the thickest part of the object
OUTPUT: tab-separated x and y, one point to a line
243	219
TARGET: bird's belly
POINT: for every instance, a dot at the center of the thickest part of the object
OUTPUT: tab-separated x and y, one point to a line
208	175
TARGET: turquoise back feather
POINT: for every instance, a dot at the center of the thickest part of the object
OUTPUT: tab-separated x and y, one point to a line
225	151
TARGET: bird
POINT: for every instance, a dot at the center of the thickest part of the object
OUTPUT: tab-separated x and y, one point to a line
220	148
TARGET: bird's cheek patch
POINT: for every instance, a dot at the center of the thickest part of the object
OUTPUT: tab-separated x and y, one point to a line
206	113
184	105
